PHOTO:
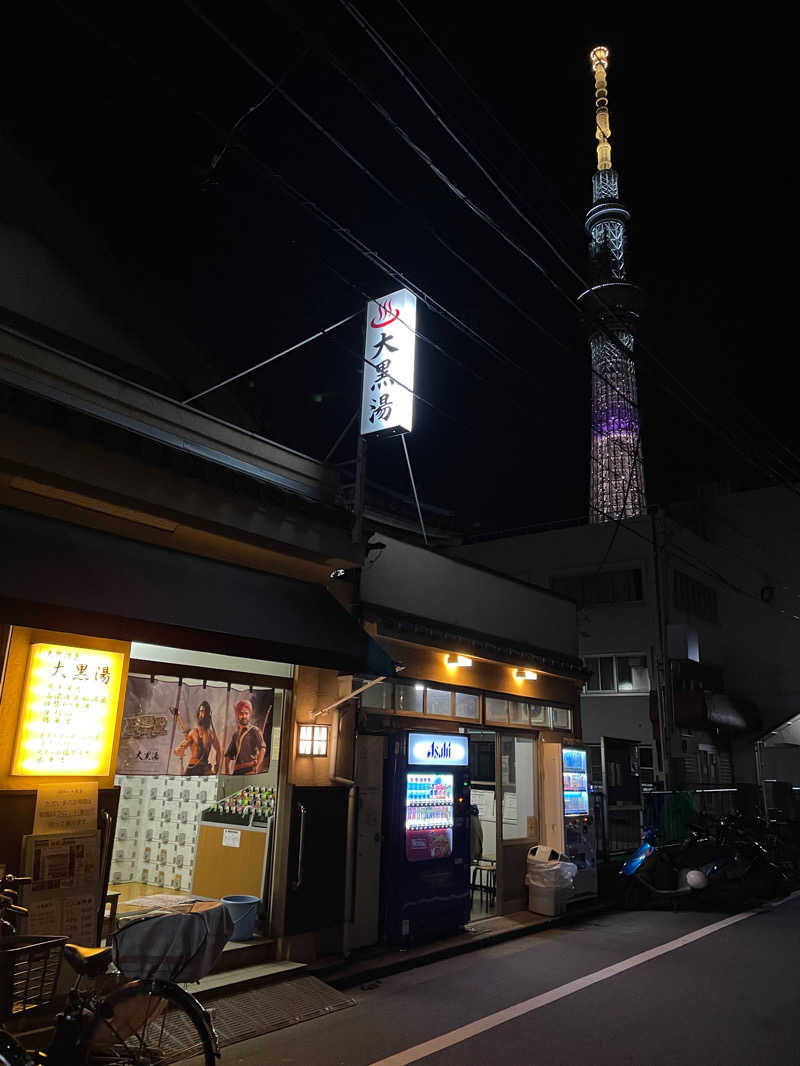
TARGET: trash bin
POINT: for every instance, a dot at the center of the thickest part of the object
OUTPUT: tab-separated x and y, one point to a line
243	911
550	880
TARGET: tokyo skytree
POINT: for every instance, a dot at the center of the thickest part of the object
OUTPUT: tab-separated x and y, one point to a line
611	308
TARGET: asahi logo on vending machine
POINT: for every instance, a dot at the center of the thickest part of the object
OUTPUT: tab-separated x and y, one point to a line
387	394
428	749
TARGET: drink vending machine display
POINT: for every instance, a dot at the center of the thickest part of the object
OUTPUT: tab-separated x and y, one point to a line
579	829
426	833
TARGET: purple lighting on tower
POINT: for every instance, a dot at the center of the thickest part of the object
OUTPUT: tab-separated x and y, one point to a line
611	308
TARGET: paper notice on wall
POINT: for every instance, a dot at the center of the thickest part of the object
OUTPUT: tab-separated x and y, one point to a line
44	918
510	807
231	838
69	807
58	863
484	801
80	919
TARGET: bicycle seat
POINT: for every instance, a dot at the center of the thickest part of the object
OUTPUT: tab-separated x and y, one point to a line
88	961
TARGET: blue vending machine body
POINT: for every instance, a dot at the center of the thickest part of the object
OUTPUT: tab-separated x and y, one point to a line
426	834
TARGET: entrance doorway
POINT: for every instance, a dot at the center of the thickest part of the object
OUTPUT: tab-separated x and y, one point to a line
483	823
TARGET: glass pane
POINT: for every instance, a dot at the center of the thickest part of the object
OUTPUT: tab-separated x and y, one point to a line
606	673
496	710
540	715
408	697
562	718
518	712
517	755
467	705
645	757
632	673
438	701
593	684
378	697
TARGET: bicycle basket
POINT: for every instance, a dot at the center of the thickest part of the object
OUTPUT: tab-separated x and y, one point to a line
29	968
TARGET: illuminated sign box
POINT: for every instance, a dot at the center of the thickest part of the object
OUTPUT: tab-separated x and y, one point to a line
432	749
387	392
69	712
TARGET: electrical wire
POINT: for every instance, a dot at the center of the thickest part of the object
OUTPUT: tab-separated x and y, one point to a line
473	334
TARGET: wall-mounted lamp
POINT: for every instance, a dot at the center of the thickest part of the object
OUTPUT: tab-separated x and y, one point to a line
457	660
525	675
312	740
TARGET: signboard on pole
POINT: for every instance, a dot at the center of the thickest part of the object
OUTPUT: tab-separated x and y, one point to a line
387	394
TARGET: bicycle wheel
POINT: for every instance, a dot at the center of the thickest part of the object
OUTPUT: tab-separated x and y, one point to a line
148	1023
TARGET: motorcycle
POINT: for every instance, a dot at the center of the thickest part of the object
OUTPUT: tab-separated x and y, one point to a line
725	867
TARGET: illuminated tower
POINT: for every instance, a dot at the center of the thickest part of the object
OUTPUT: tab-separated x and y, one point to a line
611	308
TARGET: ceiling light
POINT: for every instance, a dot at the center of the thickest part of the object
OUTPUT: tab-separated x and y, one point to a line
525	675
457	660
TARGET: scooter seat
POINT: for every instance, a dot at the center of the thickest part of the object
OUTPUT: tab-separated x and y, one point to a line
88	961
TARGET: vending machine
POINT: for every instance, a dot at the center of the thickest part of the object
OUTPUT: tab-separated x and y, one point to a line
426	834
568	819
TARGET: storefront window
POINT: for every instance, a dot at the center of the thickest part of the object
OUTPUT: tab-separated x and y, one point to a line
518	712
191	751
562	717
408	697
516	755
439	701
539	715
378	697
467	705
496	709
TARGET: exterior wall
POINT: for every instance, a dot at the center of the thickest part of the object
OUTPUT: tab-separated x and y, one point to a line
13	684
313	690
626	717
428	664
417	581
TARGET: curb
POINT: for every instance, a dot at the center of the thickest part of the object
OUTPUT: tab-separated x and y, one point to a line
328	973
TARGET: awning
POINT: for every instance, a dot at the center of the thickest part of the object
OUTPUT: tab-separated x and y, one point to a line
54	575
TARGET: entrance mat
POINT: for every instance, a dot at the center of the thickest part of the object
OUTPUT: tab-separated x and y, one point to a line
243	1015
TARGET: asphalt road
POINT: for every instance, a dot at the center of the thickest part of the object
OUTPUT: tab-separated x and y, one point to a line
615	990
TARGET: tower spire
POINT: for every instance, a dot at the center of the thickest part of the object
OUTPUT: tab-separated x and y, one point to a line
599	60
611	308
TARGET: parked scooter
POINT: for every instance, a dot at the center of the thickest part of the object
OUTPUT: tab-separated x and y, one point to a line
728	867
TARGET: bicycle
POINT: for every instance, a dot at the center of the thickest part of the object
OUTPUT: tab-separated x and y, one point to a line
146	1022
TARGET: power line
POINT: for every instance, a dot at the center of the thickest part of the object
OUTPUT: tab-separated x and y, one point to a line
473	334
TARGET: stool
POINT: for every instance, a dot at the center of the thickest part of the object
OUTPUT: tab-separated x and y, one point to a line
484	878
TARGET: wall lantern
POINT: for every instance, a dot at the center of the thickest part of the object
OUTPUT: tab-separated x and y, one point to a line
525	675
457	660
312	740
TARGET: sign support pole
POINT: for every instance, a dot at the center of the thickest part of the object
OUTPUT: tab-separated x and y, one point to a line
358	492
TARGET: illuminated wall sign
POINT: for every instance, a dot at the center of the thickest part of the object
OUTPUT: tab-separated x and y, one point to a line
387	400
69	711
429	749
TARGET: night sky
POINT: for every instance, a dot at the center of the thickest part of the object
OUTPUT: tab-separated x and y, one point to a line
122	107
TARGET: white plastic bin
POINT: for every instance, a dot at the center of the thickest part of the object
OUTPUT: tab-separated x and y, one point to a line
550	881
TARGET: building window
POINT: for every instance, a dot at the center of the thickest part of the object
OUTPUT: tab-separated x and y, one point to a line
609	586
617	673
468	706
439	702
694	597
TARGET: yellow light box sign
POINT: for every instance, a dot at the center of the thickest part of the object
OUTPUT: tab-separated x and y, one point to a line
69	711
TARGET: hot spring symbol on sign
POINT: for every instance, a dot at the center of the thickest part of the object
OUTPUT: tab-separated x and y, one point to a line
387	394
432	749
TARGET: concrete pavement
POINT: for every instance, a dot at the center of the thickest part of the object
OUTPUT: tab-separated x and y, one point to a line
729	997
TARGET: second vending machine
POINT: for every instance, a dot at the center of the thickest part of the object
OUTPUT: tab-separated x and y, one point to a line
426	834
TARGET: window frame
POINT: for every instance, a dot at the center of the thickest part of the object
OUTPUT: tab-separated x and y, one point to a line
616	690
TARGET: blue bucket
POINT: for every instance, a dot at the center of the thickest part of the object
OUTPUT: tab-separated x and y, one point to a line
243	911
